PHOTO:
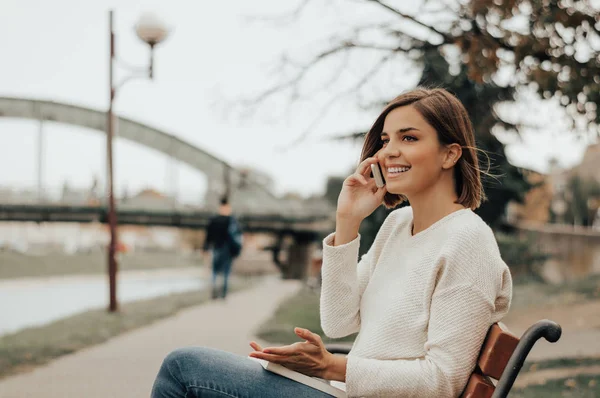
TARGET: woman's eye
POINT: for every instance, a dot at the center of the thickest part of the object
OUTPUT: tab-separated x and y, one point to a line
409	138
385	141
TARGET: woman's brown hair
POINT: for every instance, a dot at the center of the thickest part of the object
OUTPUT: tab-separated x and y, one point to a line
447	115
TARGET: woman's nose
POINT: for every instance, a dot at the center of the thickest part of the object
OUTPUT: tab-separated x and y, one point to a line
389	152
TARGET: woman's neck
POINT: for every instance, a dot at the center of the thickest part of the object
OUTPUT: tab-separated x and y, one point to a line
430	207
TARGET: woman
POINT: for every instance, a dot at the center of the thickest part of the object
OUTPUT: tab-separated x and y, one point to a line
421	299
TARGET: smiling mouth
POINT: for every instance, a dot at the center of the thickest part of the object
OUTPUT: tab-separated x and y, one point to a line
396	171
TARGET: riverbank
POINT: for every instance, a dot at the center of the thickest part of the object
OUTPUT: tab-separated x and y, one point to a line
126	366
18	265
15	265
32	347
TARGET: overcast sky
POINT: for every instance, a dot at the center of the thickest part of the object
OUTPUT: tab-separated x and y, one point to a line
57	50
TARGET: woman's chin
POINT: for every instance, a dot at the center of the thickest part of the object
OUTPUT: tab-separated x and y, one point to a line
395	189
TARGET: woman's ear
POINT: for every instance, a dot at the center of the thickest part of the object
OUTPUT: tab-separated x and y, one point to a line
453	153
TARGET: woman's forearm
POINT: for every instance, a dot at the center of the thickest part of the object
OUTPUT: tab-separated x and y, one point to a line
346	230
336	369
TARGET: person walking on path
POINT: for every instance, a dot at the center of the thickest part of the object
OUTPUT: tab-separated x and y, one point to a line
224	239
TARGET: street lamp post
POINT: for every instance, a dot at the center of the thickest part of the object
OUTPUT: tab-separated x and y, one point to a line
150	30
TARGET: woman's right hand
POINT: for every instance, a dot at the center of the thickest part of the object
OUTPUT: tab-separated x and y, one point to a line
360	196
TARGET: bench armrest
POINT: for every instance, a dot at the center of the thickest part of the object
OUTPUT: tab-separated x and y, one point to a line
547	329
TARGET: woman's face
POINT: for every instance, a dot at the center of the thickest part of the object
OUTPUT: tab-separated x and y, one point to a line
411	157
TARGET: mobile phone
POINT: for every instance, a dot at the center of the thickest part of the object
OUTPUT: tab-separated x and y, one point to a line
379	181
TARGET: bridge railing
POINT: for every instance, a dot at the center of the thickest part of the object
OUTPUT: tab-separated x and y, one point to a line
152	200
66	203
66	196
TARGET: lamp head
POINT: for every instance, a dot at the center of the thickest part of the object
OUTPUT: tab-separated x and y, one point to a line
151	29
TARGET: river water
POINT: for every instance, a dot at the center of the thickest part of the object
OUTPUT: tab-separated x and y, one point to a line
34	302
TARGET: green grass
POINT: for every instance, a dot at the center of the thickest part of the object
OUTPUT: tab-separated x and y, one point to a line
31	347
16	265
560	363
301	310
573	387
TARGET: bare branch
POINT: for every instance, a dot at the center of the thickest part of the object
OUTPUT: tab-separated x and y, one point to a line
318	58
352	136
445	37
355	88
385	27
369	74
303	71
285	18
314	122
337	73
404	42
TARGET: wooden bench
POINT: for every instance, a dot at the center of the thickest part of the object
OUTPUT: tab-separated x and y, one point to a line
500	359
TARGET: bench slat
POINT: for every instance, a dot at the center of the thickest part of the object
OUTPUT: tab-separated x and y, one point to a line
478	386
496	351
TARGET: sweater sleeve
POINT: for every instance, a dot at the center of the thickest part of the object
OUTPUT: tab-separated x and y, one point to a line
473	292
343	283
344	279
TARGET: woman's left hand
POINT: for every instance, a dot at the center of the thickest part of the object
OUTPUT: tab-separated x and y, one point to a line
309	357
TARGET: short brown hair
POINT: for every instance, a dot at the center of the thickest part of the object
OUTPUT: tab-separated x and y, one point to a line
447	115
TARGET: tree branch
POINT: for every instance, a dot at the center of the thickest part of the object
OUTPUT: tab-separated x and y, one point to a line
303	71
344	46
354	136
366	77
285	18
446	38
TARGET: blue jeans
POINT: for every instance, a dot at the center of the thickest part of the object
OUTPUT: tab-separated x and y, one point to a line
221	264
198	372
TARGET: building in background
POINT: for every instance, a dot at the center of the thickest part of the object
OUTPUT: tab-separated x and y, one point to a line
555	195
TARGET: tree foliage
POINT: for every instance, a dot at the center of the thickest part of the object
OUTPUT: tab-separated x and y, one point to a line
551	44
483	51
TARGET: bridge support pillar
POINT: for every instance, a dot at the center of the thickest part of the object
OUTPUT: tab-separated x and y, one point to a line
298	256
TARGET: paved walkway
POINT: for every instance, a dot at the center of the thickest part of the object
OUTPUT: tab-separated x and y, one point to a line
580	329
126	365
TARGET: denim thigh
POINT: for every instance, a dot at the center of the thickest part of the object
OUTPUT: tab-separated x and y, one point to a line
221	260
210	373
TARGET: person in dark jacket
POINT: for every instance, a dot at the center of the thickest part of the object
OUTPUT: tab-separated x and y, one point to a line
219	240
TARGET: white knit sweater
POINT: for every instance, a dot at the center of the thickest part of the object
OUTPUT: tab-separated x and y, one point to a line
422	304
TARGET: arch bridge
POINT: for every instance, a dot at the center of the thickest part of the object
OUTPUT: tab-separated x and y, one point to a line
259	209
